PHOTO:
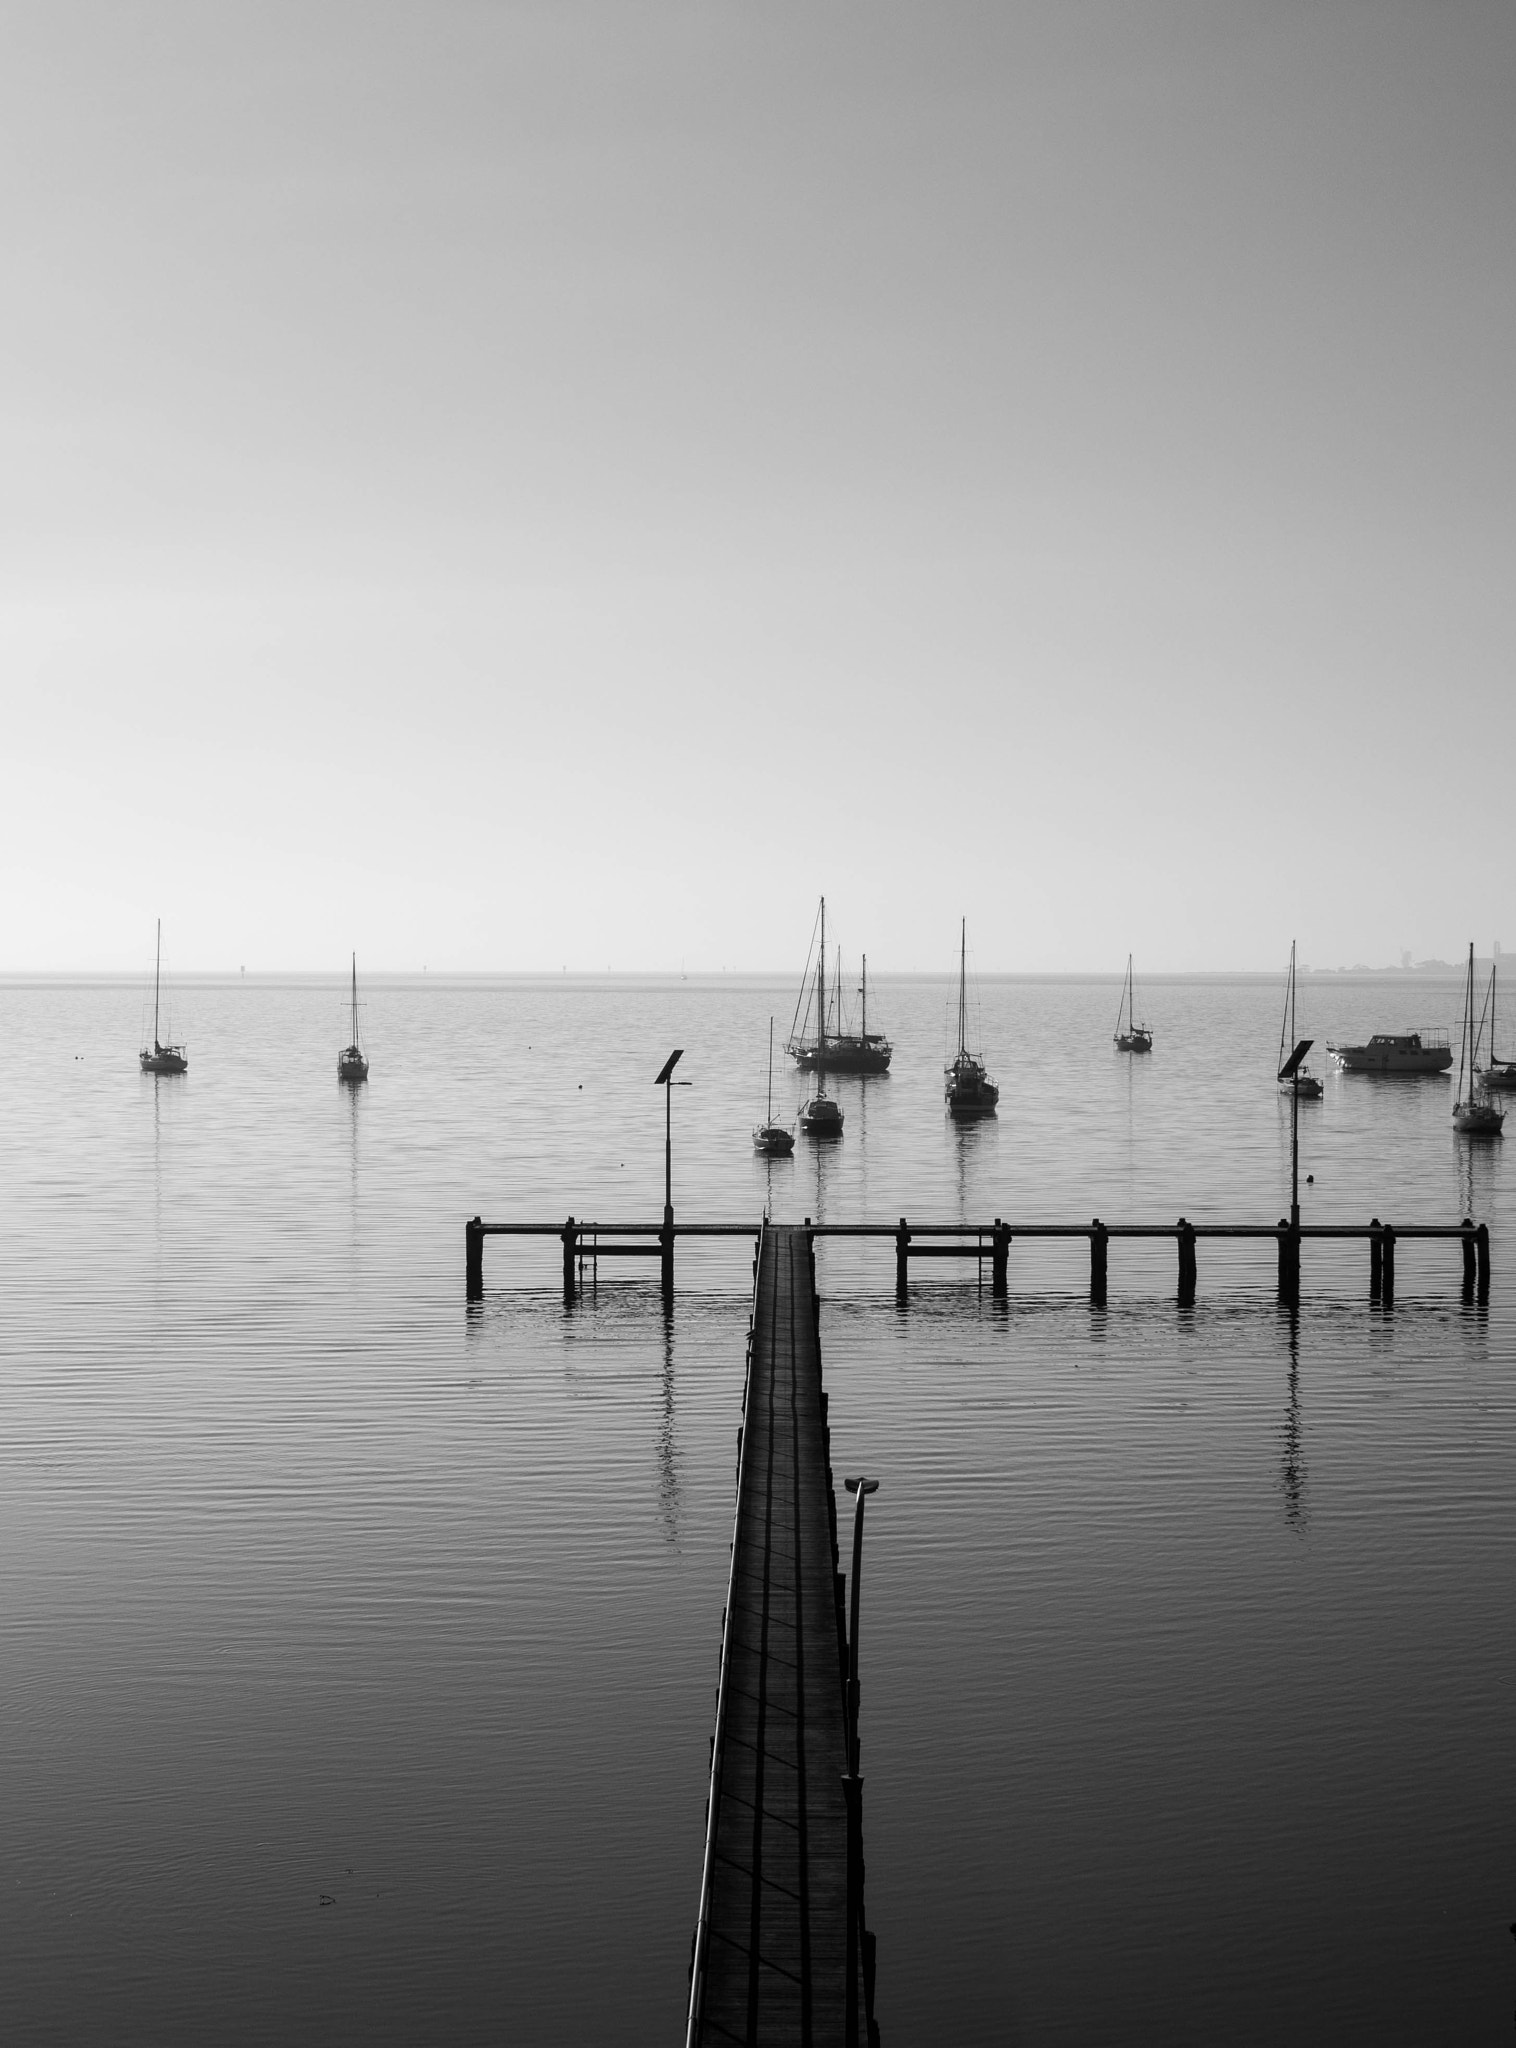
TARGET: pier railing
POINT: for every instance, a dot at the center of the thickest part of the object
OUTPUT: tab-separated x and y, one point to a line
698	1952
588	1242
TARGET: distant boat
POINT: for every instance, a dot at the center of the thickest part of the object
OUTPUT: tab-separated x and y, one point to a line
968	1088
1136	1037
834	1048
1303	1082
1396	1052
775	1141
1499	1073
351	1065
1472	1117
163	1059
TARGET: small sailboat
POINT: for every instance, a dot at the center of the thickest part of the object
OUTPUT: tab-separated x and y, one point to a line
351	1064
967	1086
834	1047
1499	1073
1472	1118
162	1059
1136	1037
1302	1082
775	1141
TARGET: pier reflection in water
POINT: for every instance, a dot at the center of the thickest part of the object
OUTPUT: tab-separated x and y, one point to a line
322	1585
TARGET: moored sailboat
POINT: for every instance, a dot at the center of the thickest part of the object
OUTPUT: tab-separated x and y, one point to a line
1472	1117
1499	1073
834	1048
351	1063
162	1059
966	1084
1136	1037
1302	1083
776	1141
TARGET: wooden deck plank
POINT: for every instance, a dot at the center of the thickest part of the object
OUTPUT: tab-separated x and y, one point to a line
778	1937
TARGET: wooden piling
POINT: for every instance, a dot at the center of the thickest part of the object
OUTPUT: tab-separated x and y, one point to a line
1482	1254
1000	1258
1470	1259
473	1254
1387	1271
1186	1236
1376	1261
1289	1262
666	1262
570	1247
1100	1240
902	1259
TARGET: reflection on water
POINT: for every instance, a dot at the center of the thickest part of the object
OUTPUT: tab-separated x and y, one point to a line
323	1584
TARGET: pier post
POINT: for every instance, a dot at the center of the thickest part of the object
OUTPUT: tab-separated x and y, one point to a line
1482	1251
473	1253
1470	1262
1100	1239
999	1259
1387	1269
1186	1235
666	1261
1376	1261
902	1256
570	1246
1289	1262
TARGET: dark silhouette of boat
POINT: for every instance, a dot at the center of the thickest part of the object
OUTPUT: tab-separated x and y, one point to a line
1136	1037
834	1048
162	1059
776	1141
1499	1073
967	1086
1474	1116
351	1064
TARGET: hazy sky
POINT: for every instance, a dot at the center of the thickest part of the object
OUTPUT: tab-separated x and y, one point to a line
501	486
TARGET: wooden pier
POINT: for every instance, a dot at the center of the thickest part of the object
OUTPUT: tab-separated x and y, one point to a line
585	1244
780	1954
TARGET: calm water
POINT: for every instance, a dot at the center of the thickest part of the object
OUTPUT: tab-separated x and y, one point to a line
360	1650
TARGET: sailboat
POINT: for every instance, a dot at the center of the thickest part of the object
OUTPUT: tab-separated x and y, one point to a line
834	1047
1471	1117
163	1059
1136	1037
776	1141
1303	1082
968	1088
1499	1073
351	1065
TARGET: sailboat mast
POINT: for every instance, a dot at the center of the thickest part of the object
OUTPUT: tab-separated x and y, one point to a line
963	969
157	975
821	991
769	1118
864	992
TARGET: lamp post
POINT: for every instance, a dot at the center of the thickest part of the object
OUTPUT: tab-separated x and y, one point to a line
852	1783
665	1080
1290	1072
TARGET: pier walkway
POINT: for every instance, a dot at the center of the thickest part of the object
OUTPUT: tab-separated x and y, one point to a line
772	1951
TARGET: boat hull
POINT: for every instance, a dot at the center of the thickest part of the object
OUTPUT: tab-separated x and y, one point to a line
1477	1119
1134	1041
844	1056
351	1065
165	1059
821	1118
774	1141
1310	1088
1501	1075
